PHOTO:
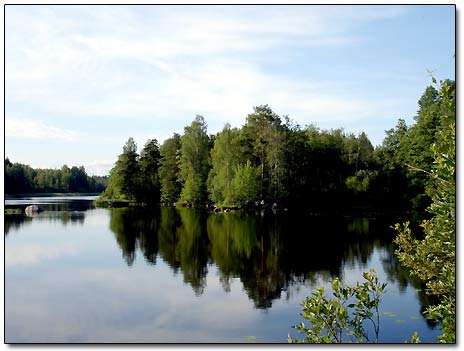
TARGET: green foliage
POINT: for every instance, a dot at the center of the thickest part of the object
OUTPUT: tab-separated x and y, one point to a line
225	157
263	143
433	117
13	211
390	154
361	181
296	167
357	151
149	187
127	169
348	317
193	191
194	162
405	158
433	258
124	177
134	178
245	186
169	169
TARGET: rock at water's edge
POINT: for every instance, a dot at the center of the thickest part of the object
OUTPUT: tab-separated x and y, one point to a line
32	209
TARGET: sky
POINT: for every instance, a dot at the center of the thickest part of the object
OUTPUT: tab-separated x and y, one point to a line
80	80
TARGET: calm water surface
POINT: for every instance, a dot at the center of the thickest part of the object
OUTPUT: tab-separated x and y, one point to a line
75	273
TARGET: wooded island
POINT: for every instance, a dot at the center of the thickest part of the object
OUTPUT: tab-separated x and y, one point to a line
272	160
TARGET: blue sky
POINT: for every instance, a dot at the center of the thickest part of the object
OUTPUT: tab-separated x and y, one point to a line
80	80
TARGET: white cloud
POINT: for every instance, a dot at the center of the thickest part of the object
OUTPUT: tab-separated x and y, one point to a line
62	36
93	70
26	128
99	167
167	64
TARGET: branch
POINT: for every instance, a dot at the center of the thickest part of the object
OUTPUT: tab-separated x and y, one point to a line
429	173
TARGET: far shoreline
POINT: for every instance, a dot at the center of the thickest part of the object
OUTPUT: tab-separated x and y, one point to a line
22	195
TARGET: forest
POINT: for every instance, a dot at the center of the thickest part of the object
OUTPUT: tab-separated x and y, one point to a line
273	161
20	179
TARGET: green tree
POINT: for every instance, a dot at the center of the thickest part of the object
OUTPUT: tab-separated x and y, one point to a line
276	162
18	177
78	179
194	162
326	171
150	187
390	188
169	171
65	177
225	157
263	144
361	181
434	115
245	186
124	177
432	258
358	151
391	152
298	158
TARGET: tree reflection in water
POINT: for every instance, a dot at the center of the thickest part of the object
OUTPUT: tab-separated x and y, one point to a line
16	221
271	254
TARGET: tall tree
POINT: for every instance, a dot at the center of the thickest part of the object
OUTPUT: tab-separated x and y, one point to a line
124	177
298	162
263	144
169	171
390	188
225	157
194	161
78	181
150	188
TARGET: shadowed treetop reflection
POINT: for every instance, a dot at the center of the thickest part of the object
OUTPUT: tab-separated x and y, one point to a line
15	222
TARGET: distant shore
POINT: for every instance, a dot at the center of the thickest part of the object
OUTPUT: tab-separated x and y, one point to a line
14	196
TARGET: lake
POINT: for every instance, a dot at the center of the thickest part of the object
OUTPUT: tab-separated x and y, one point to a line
76	273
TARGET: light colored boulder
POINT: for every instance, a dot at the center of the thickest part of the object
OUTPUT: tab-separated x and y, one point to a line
33	209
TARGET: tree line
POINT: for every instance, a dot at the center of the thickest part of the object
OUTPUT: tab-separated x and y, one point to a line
21	178
271	159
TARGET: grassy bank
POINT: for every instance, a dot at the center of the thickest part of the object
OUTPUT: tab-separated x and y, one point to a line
13	211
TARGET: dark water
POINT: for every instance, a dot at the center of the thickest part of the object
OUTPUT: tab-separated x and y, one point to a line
75	273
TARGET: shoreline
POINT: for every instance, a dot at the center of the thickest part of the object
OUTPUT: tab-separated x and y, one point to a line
22	195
